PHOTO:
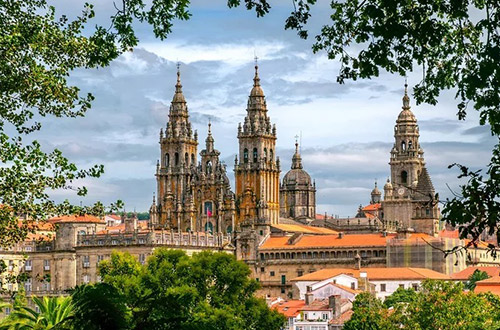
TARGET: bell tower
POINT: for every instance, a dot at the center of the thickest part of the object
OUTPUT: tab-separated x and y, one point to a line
178	149
257	168
410	200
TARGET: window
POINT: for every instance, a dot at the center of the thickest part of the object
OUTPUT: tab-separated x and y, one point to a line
99	259
142	258
100	242
255	155
271	273
46	265
402	286
192	159
186	158
176	158
141	241
415	286
265	154
257	279
167	160
404	177
86	261
300	272
245	156
262	269
325	316
28	265
11	265
7	310
27	249
27	285
382	287
114	242
46	286
353	285
283	279
37	309
283	290
86	278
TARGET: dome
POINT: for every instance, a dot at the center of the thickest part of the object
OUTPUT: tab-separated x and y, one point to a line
376	191
297	176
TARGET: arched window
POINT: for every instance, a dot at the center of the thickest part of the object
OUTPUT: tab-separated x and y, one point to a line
245	156
404	177
186	159
192	159
167	160
176	158
403	146
410	144
208	167
255	155
265	154
229	230
271	154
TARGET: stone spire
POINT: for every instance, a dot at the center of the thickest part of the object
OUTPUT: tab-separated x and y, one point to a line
296	159
256	90
209	141
178	96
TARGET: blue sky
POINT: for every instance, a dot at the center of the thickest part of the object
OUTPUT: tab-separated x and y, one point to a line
347	130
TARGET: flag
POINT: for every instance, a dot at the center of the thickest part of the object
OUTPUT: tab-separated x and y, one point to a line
209	213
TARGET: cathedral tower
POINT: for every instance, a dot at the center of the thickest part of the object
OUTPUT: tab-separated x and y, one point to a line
257	168
178	148
297	191
410	201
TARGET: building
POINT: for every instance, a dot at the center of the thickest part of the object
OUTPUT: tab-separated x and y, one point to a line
298	192
410	200
382	281
192	196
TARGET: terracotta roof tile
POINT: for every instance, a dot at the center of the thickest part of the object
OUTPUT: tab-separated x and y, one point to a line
372	207
289	308
374	274
304	229
321	241
86	218
467	272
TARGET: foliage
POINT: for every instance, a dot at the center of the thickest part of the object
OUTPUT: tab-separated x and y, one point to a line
401	295
474	277
55	313
438	305
173	291
99	306
368	313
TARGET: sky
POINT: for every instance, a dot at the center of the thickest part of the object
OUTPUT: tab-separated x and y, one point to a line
346	130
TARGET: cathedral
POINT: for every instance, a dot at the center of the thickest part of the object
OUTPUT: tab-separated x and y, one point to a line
196	196
194	192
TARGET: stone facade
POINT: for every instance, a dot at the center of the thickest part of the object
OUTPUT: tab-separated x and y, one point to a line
192	196
298	192
410	200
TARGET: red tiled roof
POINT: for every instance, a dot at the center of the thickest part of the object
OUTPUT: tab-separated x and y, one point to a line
86	218
141	224
489	285
467	272
389	273
114	216
303	229
372	207
319	241
289	308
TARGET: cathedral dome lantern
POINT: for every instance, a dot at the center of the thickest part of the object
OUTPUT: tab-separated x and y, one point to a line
376	195
297	176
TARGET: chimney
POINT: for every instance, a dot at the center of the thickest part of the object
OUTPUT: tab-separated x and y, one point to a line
357	258
309	298
334	304
130	224
341	234
384	233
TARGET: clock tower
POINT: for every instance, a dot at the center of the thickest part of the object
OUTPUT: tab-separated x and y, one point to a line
410	200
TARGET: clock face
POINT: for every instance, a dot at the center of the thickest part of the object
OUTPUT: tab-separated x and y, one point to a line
401	191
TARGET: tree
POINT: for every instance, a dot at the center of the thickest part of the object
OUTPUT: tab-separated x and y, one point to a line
99	306
438	305
55	313
474	277
173	291
401	295
368	313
